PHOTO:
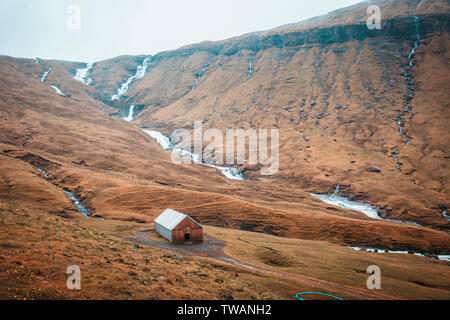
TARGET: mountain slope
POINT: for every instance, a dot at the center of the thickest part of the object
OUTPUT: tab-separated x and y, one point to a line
335	92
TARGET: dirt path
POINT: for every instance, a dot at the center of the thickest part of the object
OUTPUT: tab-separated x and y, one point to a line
213	249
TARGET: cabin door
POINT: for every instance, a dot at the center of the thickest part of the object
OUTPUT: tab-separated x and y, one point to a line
187	233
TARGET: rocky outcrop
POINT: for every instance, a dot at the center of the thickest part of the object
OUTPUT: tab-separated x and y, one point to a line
399	29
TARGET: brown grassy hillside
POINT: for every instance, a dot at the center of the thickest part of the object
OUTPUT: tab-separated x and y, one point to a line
336	92
334	89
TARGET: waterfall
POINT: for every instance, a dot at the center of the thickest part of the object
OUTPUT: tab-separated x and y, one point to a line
130	116
141	70
45	74
408	75
44	78
162	140
199	75
336	191
250	68
82	74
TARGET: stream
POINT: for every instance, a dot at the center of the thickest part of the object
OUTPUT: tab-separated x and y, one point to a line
365	208
130	116
77	203
409	79
395	157
45	74
444	257
165	143
250	68
58	90
199	75
85	212
445	215
44	78
408	75
82	74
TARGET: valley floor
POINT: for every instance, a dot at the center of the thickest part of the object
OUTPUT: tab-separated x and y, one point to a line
118	260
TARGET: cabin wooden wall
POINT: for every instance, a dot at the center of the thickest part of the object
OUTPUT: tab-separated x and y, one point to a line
194	229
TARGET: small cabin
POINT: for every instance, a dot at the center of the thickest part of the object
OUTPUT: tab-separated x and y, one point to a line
178	227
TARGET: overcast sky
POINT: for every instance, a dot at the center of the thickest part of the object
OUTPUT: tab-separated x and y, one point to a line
48	28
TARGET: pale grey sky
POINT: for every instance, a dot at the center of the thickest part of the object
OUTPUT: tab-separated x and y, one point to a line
109	28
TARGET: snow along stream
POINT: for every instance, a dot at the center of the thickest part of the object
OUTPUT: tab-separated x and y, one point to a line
365	208
140	72
82	74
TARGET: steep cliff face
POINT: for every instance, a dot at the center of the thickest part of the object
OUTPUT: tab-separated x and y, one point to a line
346	25
172	73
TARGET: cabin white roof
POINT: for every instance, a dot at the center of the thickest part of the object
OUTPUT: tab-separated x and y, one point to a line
169	219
